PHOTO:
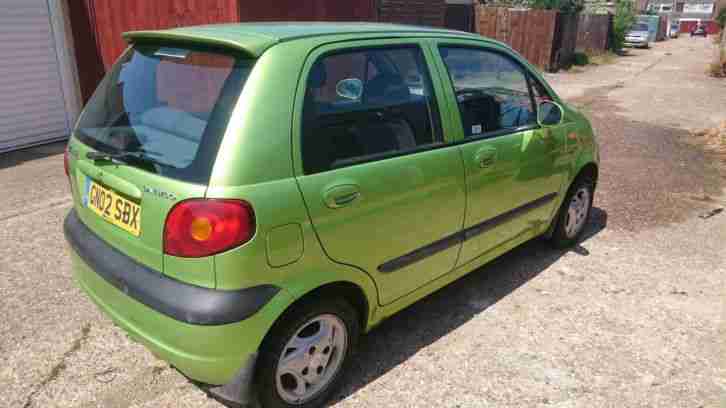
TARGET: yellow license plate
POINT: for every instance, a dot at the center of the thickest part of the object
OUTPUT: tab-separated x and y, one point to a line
114	208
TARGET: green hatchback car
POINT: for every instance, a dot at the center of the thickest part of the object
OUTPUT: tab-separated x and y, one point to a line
250	198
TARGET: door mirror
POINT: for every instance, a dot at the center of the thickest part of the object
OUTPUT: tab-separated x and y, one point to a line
351	88
549	113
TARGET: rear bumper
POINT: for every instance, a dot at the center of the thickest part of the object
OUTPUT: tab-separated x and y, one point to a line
636	43
187	331
181	301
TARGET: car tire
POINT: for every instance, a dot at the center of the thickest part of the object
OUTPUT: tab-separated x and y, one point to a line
577	204
278	388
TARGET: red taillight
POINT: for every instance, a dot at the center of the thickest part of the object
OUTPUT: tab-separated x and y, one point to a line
66	164
203	227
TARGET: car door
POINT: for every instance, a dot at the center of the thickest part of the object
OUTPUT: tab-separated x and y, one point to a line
512	178
383	187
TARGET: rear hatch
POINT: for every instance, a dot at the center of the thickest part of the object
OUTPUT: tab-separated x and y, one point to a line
638	31
147	140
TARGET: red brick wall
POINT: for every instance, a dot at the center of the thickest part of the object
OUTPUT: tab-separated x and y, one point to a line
418	12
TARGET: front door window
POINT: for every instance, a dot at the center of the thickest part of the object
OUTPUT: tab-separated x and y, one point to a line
492	92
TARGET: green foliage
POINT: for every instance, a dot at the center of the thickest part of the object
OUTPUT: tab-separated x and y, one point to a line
721	18
650	12
623	20
580	58
565	6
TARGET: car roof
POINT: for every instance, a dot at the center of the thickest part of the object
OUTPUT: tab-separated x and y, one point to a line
255	38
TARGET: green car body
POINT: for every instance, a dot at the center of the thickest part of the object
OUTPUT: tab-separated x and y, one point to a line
381	233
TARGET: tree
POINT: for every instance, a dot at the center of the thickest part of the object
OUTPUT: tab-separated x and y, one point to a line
565	6
721	18
623	20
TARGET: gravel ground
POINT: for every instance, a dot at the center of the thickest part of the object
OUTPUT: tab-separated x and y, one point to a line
630	318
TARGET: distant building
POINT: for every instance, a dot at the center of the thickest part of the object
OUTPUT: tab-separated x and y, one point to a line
688	13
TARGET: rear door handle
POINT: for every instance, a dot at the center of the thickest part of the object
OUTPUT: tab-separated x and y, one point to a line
341	195
485	157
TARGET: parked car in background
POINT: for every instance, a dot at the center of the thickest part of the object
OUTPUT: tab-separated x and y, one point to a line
249	198
700	30
674	30
637	36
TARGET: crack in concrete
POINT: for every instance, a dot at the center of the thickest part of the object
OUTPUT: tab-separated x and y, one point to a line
59	367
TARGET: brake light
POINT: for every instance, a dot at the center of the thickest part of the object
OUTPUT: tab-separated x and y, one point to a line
203	227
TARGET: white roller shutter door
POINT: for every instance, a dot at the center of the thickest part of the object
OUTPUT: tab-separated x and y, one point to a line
32	107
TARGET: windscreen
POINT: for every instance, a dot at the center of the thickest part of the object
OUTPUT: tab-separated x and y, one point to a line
640	27
167	107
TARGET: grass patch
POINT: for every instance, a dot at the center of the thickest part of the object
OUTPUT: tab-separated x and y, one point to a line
603	59
582	59
575	69
718	68
714	140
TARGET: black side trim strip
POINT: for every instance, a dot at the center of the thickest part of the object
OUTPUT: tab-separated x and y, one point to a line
178	300
421	253
461	236
500	219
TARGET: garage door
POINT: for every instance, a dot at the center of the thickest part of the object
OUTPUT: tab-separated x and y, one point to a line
32	108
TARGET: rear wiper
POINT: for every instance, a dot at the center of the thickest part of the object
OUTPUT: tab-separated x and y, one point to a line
137	156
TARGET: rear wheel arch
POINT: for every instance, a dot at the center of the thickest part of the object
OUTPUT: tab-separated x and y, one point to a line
589	170
341	299
351	292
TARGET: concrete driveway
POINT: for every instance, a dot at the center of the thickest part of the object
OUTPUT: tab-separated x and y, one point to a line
631	318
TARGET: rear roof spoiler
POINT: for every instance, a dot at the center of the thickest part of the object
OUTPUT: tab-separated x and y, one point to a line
252	44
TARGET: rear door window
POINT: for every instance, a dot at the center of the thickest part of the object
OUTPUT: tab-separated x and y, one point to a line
168	106
367	104
492	91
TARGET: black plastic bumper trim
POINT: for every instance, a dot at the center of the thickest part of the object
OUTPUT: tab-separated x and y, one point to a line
181	301
237	392
461	236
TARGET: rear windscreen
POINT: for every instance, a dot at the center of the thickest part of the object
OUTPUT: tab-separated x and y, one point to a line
168	105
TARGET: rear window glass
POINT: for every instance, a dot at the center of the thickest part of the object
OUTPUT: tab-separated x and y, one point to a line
169	105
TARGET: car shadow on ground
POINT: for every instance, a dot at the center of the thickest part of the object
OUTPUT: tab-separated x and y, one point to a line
423	323
14	158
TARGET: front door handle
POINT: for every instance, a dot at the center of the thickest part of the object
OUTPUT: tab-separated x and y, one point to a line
485	157
341	195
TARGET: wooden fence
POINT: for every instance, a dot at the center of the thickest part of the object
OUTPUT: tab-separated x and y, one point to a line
565	40
546	38
593	33
529	32
113	17
307	10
